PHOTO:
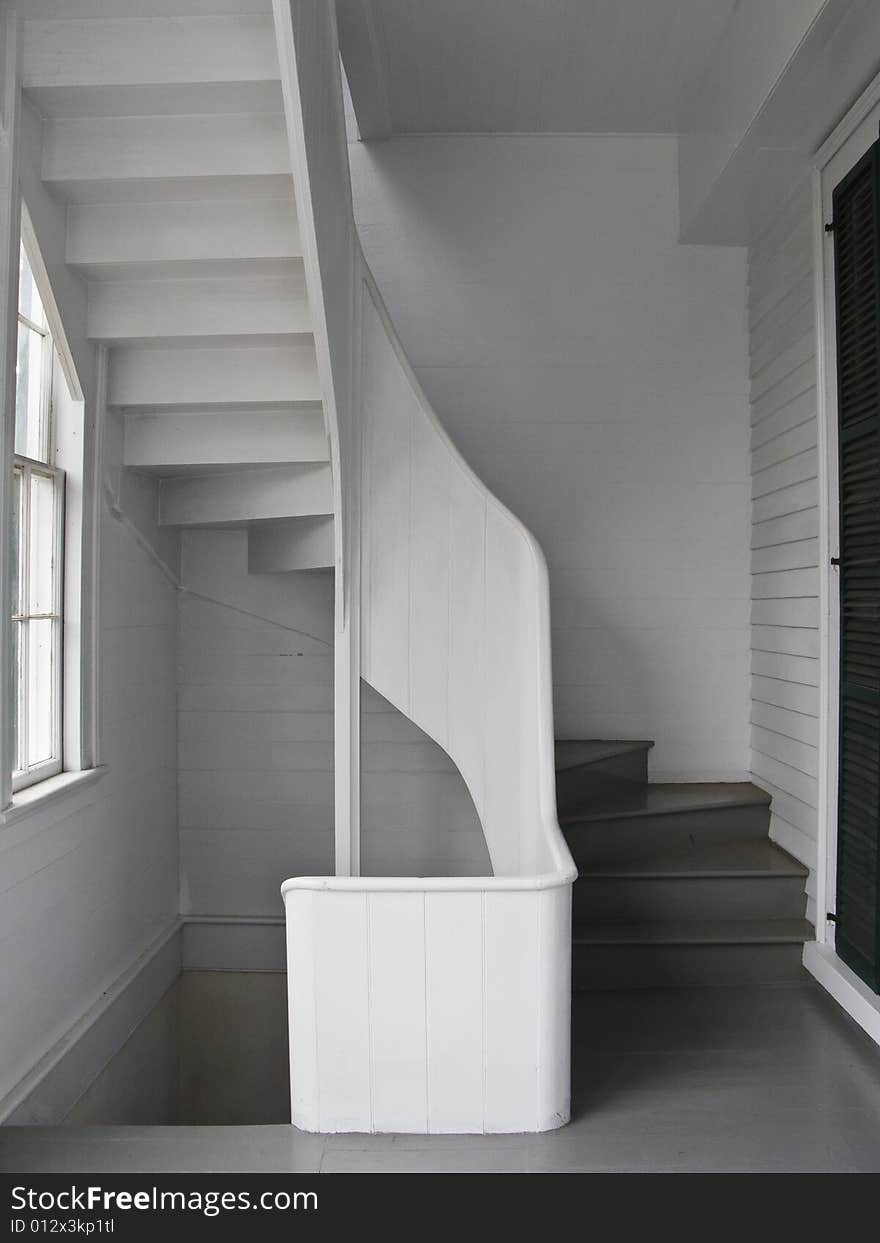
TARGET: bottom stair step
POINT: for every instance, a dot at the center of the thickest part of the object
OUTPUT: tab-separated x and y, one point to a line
688	953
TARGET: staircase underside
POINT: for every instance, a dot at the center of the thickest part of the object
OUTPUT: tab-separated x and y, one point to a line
678	884
165	137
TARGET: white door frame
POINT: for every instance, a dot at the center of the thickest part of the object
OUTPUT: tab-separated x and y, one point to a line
846	144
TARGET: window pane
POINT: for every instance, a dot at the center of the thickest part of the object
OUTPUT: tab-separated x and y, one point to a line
17	688
41	690
30	404
41	571
14	542
29	301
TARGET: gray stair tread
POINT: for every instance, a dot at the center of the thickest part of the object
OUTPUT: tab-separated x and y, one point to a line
661	800
702	859
573	752
696	932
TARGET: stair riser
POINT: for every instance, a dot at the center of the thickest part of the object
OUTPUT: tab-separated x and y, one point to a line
604	842
633	901
686	966
578	788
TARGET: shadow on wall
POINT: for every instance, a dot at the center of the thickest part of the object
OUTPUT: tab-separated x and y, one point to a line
417	815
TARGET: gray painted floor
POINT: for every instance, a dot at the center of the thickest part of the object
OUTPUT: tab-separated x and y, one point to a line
772	1079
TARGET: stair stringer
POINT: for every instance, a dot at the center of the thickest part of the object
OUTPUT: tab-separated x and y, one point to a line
435	1003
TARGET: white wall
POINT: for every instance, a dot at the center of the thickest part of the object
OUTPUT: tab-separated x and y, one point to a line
593	372
758	43
89	880
417	817
785	528
255	700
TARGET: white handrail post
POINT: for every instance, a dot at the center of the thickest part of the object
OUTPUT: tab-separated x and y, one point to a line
318	154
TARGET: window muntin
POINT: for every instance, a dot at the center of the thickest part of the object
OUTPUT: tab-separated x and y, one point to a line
37	551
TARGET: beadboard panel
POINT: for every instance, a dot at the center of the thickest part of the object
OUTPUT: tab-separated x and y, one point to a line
531	281
409	1012
785	528
255	745
255	674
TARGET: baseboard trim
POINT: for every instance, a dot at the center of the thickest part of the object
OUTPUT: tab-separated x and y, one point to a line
233	943
53	1085
850	993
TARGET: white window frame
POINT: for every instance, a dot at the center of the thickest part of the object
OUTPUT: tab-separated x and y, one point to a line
77	452
26	774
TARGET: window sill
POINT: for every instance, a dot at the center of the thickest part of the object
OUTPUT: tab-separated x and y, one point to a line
34	798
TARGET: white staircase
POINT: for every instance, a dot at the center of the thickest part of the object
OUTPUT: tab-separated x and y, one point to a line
260	379
165	135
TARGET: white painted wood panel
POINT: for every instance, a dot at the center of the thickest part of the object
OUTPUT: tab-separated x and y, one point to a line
510	753
302	1020
454	1012
341	1003
112	149
792	724
502	67
787	500
110	51
804	524
436	1007
387	416
554	1007
246	495
795	384
398	1033
159	309
206	377
801	410
785	445
225	438
291	544
797	554
101	235
429	580
311	77
513	970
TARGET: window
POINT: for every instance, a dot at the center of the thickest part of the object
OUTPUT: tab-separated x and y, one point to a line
37	538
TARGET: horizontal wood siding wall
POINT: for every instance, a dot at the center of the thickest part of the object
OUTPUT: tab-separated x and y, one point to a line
91	878
785	528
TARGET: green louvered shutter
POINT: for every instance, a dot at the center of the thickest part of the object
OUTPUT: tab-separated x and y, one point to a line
857	288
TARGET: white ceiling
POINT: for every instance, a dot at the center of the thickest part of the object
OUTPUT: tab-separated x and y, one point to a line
503	66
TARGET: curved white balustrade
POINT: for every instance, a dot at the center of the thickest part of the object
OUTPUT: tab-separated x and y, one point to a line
427	1004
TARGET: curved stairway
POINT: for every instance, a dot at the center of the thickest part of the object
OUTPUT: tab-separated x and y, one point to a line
677	884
